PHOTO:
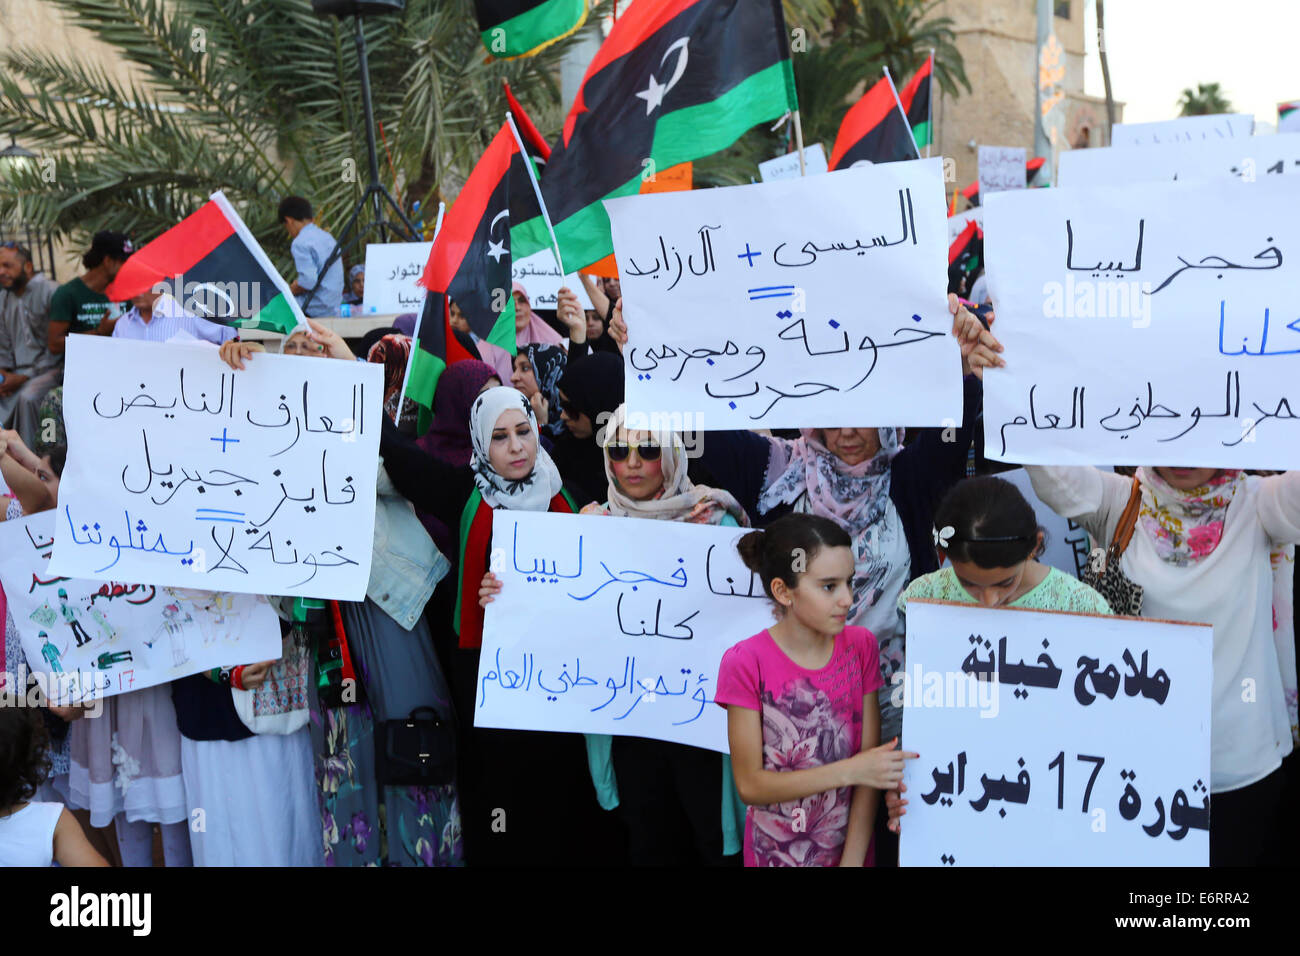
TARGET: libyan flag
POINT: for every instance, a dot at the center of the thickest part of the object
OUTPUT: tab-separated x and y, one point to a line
210	263
875	130
514	28
675	80
470	263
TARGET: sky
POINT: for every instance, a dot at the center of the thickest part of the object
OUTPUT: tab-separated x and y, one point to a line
1159	47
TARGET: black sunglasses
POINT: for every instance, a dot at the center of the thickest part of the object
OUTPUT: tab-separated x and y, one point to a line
620	451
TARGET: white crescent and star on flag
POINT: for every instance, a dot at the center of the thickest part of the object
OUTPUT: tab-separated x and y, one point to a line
654	93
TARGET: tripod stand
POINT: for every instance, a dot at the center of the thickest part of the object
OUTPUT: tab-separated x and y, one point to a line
374	191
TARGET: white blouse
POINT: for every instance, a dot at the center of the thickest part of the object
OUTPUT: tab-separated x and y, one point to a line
1231	589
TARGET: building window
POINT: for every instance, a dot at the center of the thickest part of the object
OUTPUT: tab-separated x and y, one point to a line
1063	9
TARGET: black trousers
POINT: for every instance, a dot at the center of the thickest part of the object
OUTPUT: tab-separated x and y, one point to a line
526	797
1246	824
671	798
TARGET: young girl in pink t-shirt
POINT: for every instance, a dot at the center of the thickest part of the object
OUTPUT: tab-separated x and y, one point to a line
802	715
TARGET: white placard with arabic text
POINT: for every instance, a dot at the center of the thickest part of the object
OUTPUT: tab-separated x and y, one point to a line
184	472
1051	739
813	301
1250	159
393	273
643	629
1001	168
540	276
1153	323
87	639
1184	129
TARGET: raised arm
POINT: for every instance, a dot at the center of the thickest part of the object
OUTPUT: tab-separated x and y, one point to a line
880	767
1279	507
429	483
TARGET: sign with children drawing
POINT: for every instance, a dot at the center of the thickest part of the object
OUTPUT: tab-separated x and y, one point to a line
90	639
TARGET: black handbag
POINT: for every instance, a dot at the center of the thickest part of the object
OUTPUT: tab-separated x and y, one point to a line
1121	593
416	751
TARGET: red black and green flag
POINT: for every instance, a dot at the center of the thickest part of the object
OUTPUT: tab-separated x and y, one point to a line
528	230
876	130
470	263
968	248
916	100
676	80
514	28
211	264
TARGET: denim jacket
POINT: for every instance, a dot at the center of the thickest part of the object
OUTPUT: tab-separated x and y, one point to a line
406	565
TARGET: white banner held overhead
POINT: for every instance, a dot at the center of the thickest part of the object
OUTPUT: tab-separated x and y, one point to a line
1185	129
182	471
644	630
1001	168
809	301
1250	159
88	639
393	273
1151	324
540	276
1097	753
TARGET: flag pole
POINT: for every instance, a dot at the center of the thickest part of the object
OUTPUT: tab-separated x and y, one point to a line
537	191
415	332
798	142
929	108
902	112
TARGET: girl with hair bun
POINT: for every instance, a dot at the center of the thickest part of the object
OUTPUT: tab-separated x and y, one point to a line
802	715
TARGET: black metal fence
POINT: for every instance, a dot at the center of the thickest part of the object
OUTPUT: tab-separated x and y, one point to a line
41	245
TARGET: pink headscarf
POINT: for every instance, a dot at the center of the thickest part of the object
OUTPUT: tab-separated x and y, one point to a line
537	332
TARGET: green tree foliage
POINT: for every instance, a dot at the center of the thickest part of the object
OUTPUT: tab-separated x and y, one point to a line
1206	99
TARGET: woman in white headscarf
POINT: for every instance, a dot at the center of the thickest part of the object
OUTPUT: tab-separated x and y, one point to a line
519	789
679	802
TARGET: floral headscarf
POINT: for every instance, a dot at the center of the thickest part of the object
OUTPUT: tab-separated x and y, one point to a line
680	499
806	474
1186	526
530	493
394	352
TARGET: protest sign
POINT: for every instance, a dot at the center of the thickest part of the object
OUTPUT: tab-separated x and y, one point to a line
1185	129
1150	324
1066	545
813	300
540	275
86	639
1250	159
393	273
182	471
1103	762
786	166
1001	168
639	650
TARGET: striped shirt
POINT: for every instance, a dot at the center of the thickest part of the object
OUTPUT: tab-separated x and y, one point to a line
169	320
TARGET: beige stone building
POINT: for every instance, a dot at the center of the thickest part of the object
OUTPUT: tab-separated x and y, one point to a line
998	40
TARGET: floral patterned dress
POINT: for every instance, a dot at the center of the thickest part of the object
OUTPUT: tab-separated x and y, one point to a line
400	826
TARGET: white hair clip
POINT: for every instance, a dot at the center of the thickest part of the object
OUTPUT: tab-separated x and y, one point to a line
942	537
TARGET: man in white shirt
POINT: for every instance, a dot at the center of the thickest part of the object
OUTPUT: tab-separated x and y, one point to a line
157	317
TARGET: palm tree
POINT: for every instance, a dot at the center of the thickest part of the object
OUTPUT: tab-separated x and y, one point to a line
1206	99
260	98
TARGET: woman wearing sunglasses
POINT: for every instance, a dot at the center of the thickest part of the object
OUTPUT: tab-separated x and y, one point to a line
679	802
